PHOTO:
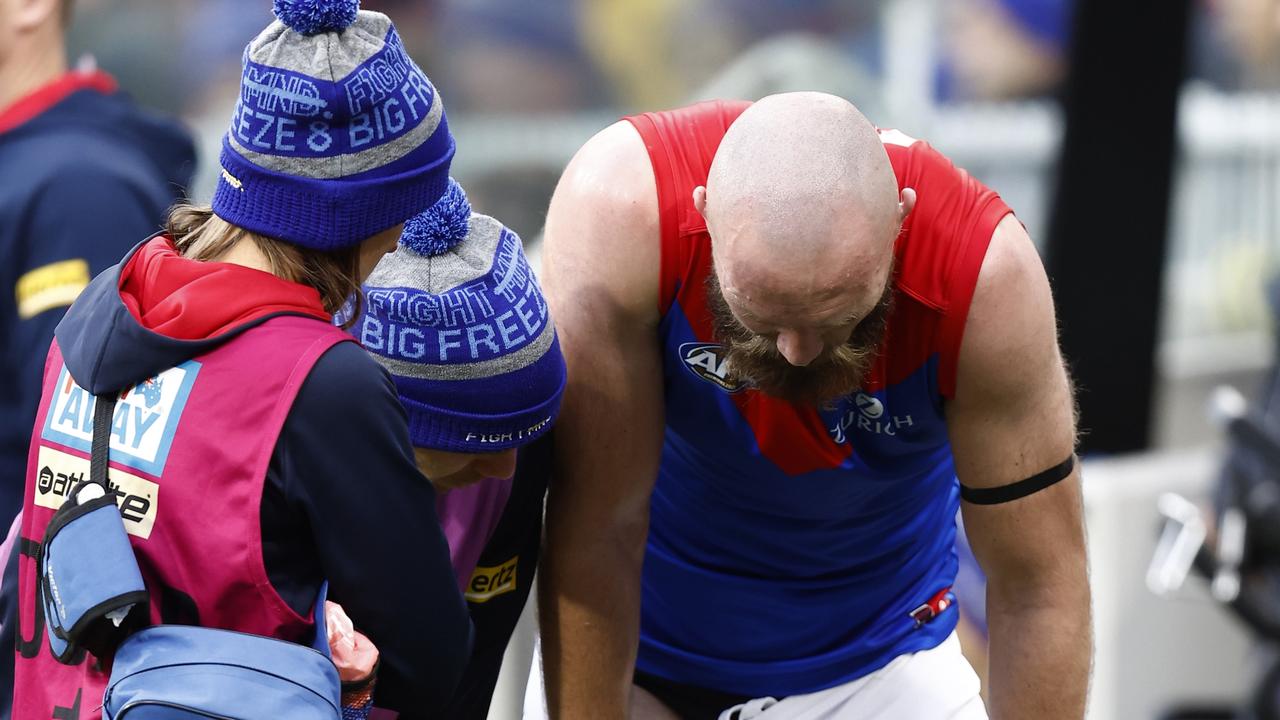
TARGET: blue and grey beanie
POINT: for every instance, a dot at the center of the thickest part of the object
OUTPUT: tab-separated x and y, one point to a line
457	317
337	134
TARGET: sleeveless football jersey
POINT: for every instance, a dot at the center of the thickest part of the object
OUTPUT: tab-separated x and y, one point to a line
788	545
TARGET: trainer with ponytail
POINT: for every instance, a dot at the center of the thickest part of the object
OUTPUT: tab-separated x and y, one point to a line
256	450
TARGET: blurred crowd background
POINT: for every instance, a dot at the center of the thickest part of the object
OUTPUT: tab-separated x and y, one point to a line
525	83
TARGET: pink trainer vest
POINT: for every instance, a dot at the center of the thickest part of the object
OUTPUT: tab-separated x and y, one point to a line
189	455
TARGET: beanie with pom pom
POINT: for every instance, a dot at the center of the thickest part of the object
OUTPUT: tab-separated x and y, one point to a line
457	317
337	135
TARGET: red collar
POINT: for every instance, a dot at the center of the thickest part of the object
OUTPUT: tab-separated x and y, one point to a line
43	98
192	300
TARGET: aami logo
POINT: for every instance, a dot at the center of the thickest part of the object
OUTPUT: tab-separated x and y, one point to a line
490	582
60	472
706	361
869	415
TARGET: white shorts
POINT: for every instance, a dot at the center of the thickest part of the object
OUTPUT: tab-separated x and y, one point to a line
937	684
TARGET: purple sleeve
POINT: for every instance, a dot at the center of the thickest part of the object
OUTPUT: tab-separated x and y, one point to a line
469	516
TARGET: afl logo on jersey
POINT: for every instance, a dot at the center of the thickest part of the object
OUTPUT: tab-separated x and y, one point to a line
707	361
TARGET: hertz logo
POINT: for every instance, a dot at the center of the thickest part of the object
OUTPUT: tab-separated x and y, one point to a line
706	361
490	582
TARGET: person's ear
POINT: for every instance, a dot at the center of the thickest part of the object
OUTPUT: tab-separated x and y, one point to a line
28	15
700	200
906	202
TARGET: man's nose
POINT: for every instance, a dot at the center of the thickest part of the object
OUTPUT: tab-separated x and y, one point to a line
799	348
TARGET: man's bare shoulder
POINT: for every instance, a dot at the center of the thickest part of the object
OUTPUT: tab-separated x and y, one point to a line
1012	415
1010	339
603	225
611	176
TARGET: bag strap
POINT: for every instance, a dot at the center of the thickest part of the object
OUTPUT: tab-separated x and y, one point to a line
320	641
104	408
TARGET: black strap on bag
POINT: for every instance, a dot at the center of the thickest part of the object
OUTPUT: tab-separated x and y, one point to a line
100	455
104	408
92	630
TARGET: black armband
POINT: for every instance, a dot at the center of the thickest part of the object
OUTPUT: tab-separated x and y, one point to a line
1020	489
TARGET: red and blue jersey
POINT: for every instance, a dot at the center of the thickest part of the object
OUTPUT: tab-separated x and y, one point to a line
788	545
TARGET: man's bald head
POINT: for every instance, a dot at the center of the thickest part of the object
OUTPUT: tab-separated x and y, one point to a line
803	208
801	181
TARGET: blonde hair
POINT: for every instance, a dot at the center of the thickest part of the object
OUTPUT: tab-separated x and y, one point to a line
201	235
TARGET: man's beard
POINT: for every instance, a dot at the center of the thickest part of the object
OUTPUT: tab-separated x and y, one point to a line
836	373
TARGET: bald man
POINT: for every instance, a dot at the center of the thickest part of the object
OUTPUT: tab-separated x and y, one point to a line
796	344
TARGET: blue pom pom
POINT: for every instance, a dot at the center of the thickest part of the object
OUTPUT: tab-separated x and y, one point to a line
439	228
312	17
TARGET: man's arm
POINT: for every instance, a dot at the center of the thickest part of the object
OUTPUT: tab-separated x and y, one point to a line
600	267
1013	417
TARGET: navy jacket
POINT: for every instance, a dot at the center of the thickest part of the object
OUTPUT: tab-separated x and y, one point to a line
81	183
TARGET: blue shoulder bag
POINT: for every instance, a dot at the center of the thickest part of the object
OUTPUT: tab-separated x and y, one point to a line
94	599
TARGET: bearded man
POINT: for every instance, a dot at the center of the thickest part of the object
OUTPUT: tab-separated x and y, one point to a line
796	345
